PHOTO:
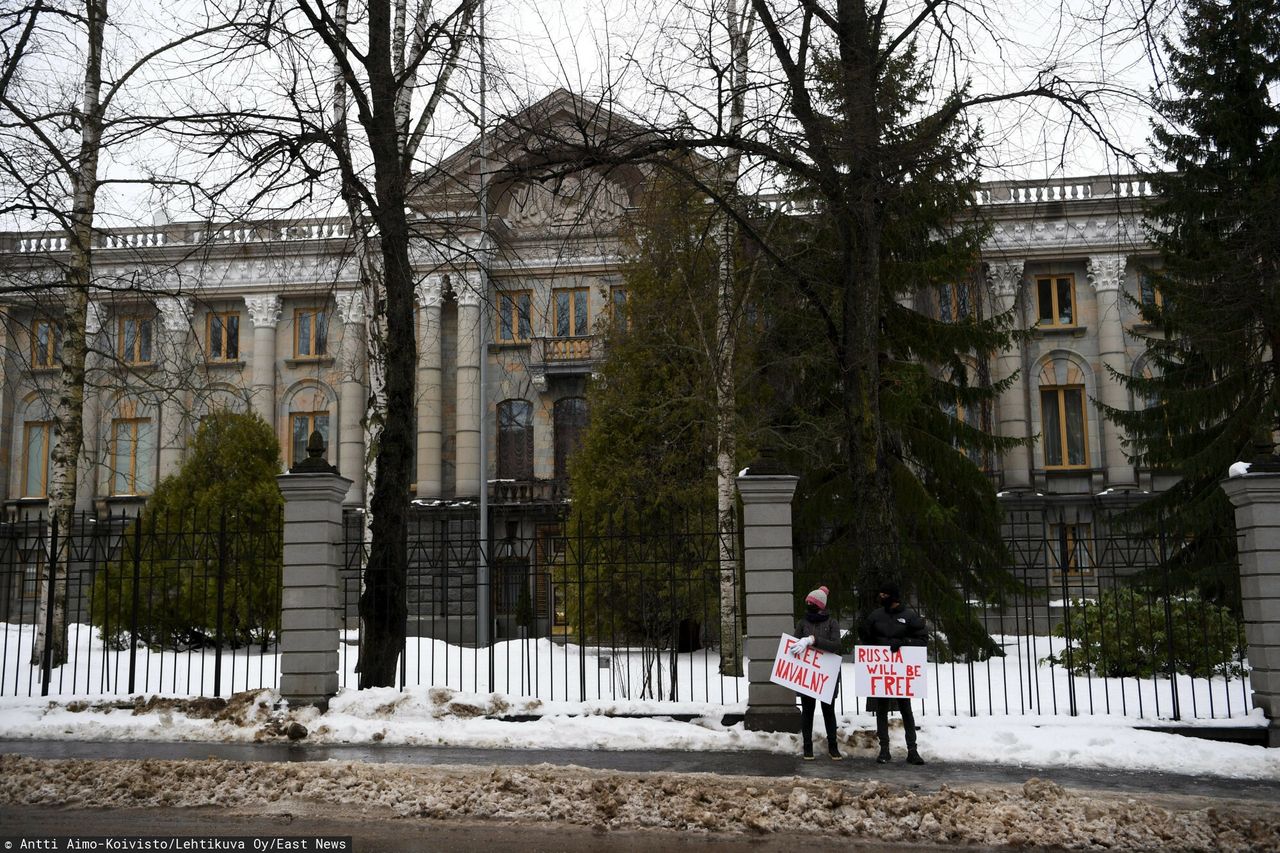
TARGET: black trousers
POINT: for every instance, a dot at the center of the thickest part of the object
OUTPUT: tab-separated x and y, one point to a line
883	707
806	722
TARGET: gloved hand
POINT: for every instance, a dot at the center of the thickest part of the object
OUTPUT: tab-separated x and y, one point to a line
798	649
895	645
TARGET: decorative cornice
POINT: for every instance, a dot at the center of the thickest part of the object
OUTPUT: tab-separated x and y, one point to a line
175	312
350	306
1005	276
1106	272
1025	235
264	311
430	291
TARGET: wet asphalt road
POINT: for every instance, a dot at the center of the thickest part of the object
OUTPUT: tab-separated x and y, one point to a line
855	768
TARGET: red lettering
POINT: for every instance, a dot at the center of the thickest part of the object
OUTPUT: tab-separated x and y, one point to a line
913	672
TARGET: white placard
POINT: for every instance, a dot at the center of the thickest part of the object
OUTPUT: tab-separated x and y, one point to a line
881	672
813	672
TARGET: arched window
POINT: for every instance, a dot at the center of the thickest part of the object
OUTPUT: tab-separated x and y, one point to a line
310	409
570	421
1064	421
515	440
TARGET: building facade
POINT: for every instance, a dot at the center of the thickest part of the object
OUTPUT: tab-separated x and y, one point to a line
270	316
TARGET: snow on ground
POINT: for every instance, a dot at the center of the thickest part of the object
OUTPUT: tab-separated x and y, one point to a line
1037	814
439	716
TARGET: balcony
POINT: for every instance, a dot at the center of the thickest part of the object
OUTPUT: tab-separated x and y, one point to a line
563	357
528	491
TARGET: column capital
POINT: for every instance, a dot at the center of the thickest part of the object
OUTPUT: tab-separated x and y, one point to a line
350	306
1106	272
1005	276
466	288
94	319
175	312
264	311
430	291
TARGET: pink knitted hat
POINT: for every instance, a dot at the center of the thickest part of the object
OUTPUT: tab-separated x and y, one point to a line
818	597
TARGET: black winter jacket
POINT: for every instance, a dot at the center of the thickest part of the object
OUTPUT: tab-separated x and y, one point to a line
826	634
902	625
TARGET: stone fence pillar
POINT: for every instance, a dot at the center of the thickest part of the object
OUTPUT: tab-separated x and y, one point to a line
1256	497
310	602
767	576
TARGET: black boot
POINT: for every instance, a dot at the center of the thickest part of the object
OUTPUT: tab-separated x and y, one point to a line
883	757
913	757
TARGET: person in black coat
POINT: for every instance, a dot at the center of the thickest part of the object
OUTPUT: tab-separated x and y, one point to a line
817	628
894	625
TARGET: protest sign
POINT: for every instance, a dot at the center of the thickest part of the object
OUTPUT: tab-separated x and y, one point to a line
813	672
881	672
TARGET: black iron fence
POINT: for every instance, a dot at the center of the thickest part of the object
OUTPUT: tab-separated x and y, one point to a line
570	609
184	605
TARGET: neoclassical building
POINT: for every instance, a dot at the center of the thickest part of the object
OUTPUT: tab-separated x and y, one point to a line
269	315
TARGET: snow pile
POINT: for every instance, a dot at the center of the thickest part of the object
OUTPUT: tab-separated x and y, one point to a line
442	717
1037	814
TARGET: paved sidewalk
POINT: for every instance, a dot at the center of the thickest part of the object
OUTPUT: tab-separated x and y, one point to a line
856	767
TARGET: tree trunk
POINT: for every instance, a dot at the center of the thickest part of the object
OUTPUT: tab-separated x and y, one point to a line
70	408
383	606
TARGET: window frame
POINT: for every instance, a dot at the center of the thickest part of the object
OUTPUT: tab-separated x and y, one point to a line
222	317
1055	309
49	430
506	419
135	355
577	295
618	306
320	311
132	475
1079	541
311	427
520	319
1064	443
950	301
45	355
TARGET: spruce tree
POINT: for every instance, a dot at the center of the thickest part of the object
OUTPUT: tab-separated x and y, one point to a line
1212	386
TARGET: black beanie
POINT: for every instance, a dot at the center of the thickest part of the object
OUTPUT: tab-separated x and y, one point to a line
890	589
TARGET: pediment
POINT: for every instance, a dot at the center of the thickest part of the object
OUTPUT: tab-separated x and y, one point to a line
537	179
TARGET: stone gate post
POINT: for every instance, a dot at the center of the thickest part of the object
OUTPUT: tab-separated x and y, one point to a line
766	492
1256	496
309	619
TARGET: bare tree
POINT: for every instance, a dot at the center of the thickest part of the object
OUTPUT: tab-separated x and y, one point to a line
54	138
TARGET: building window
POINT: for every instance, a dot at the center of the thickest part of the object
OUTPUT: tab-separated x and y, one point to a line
977	417
513	316
310	333
224	336
570	423
1150	294
1057	297
1065	436
618	307
515	440
571	312
133	447
38	441
955	302
135	340
1071	547
301	425
46	344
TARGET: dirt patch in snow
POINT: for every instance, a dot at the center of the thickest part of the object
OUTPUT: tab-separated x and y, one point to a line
1037	814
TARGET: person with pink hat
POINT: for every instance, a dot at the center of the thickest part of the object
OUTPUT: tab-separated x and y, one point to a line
817	628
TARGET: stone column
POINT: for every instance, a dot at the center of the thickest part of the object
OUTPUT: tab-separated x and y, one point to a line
174	358
351	393
1005	278
1106	272
468	409
429	398
1256	497
767	582
309	616
264	312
